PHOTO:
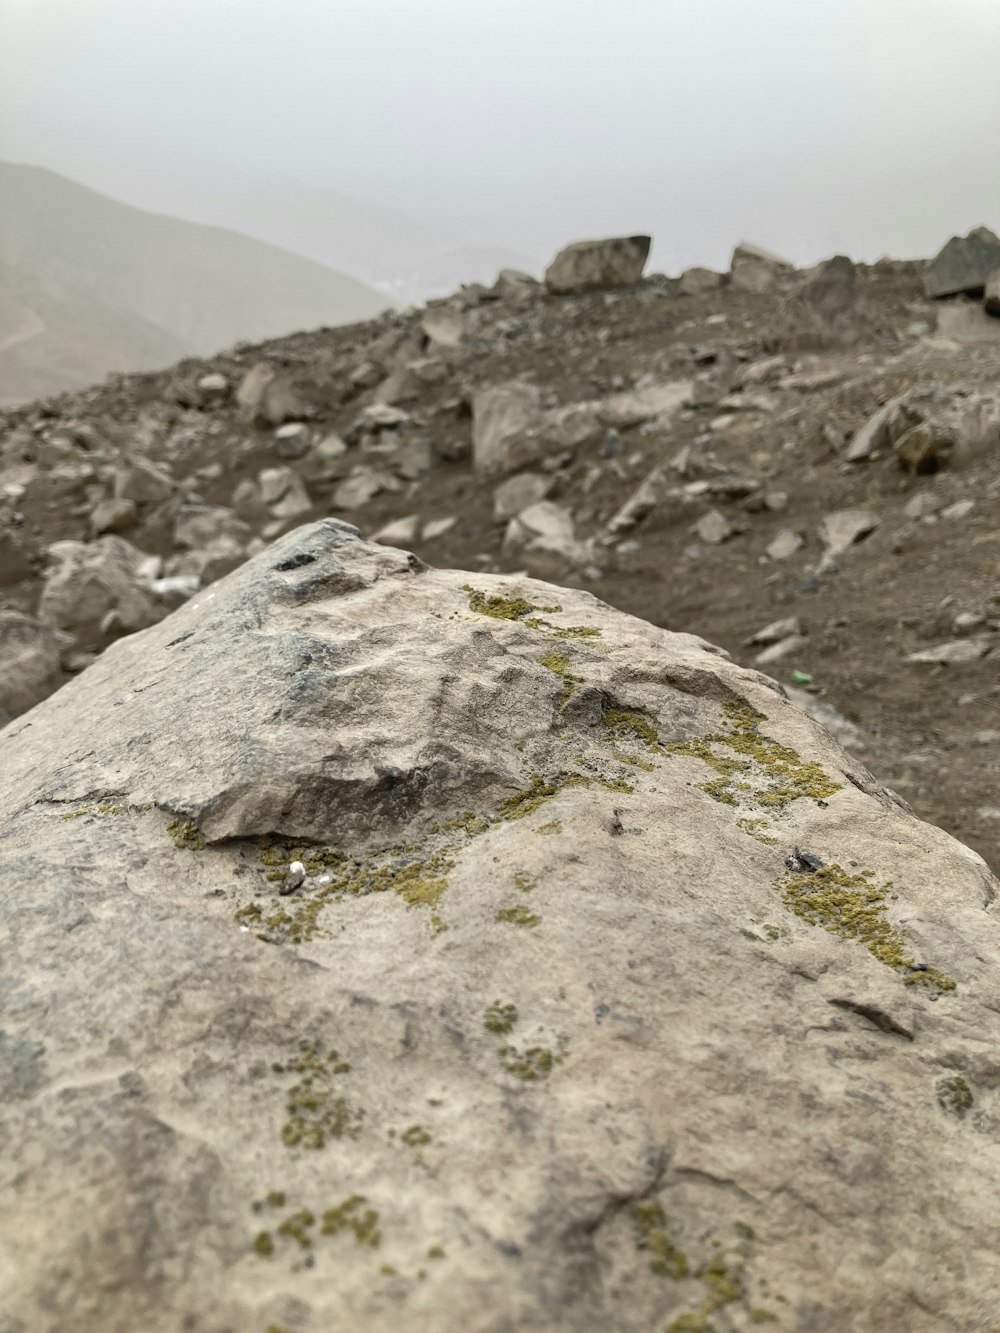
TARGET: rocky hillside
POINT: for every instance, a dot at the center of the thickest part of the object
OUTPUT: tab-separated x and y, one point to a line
802	467
92	285
392	948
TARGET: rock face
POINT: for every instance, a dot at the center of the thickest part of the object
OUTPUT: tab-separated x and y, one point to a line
592	265
964	264
396	948
826	310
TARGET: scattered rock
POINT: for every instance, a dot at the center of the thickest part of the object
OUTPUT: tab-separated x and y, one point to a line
956	651
113	516
695	281
963	265
517	493
400	532
592	265
92	591
363	485
843	528
793	643
437	527
30	662
267	397
714	528
991	293
775	632
292	440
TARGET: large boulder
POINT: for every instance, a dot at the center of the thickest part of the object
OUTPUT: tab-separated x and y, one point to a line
593	265
396	948
96	591
964	264
267	396
825	310
30	662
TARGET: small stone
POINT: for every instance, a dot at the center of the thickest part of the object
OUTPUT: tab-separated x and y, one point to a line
785	544
714	528
437	527
294	878
955	652
845	527
778	629
777	651
400	532
959	509
292	440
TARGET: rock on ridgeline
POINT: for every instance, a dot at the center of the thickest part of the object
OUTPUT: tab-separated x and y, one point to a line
592	265
390	947
964	264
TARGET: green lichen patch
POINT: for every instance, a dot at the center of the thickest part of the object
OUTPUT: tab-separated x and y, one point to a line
185	834
415	1136
518	915
530	1064
316	1110
525	883
631	725
105	809
553	826
297	1226
503	608
500	1018
758	830
724	1282
526	802
351	1215
855	907
757	769
649	1223
572	631
558	664
263	1244
954	1095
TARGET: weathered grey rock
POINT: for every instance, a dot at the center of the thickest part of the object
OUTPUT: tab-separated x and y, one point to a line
292	440
400	532
214	385
113	515
363	485
93	591
30	662
964	264
695	281
777	652
825	310
197	525
144	482
639	504
586	1069
991	293
754	269
776	631
714	528
844	527
747	251
545	527
517	493
268	397
592	265
956	651
437	527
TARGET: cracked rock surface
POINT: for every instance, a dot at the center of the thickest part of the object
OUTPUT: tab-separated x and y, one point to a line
548	1036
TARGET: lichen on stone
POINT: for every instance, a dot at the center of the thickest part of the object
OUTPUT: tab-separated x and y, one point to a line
350	1215
855	907
498	607
758	769
558	664
650	1225
530	1064
500	1017
186	834
954	1095
316	1111
518	915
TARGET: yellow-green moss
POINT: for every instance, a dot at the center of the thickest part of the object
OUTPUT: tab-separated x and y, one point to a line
526	802
500	1018
518	915
524	882
263	1244
297	1226
756	829
435	1252
632	724
558	664
573	631
553	826
650	1224
503	608
855	907
316	1112
531	1064
954	1095
777	775
186	834
415	1137
351	1216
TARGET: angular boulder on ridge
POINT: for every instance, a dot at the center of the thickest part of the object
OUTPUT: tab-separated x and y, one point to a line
592	265
964	264
609	992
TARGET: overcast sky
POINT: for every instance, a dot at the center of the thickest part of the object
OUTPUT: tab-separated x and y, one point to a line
868	126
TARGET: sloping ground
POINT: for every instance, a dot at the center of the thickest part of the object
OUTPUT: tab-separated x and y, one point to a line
762	441
398	948
54	338
205	286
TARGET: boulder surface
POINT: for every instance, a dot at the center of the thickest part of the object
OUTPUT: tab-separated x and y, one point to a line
591	265
395	948
964	264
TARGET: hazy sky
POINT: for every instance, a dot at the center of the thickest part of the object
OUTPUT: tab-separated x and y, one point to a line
869	126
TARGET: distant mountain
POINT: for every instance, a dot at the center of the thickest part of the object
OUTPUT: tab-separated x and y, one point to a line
203	287
402	257
54	337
